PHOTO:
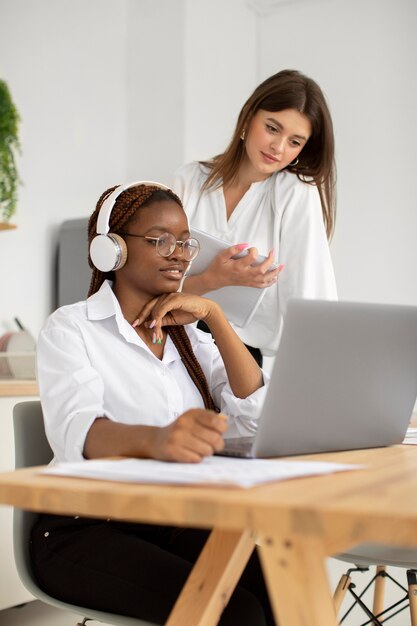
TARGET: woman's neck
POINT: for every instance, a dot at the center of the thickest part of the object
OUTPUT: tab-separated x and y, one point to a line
247	175
131	302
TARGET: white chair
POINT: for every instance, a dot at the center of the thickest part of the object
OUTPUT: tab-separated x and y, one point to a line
367	555
32	448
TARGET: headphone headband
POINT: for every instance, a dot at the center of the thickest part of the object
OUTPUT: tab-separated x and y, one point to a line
106	208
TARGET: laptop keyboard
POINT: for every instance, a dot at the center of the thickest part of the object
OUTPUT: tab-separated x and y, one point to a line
237	446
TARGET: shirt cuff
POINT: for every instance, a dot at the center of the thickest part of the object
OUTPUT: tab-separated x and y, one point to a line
243	413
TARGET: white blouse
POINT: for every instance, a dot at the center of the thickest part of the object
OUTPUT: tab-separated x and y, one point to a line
280	212
92	363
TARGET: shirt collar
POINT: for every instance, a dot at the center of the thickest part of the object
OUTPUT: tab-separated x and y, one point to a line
103	303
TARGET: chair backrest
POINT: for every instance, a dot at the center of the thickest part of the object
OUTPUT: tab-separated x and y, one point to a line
31	449
30	443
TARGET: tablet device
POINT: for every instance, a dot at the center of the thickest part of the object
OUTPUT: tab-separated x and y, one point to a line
238	303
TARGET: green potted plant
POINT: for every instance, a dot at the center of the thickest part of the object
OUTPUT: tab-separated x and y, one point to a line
9	144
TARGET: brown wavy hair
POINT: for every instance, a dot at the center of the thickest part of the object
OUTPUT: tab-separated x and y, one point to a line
288	89
123	212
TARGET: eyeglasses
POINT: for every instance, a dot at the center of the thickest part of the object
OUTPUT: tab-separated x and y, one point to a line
166	243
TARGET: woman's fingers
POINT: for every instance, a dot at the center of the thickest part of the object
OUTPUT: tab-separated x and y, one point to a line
180	308
268	264
268	278
148	312
144	313
237	251
194	435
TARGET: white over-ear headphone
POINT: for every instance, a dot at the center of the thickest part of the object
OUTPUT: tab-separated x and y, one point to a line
108	251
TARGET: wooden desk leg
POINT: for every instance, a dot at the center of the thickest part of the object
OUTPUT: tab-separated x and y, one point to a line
213	578
297	581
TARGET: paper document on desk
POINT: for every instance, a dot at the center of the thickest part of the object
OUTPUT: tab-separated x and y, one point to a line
211	471
411	436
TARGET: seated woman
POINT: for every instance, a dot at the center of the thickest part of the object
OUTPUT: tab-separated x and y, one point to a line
125	373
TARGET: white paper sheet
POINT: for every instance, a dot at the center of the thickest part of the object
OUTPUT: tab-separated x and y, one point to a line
212	470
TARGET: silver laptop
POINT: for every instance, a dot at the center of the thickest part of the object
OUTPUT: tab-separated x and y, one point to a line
345	377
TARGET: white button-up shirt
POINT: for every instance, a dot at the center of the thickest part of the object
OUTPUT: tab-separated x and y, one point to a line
92	363
281	212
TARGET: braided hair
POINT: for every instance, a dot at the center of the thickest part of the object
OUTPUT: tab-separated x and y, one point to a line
126	205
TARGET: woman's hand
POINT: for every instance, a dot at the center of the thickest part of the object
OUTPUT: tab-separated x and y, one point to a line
227	269
197	433
175	309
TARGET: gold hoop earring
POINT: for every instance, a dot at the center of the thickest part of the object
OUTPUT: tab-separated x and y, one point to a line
294	163
242	135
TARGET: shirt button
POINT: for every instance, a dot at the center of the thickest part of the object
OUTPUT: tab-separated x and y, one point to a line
176	414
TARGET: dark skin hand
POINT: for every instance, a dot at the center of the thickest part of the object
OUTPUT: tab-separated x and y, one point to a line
197	433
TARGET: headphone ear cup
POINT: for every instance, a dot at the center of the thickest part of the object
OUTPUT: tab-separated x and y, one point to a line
108	252
122	254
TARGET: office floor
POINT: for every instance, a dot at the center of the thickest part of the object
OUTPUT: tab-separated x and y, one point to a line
38	614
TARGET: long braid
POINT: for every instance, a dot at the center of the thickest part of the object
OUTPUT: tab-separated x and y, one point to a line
123	211
183	344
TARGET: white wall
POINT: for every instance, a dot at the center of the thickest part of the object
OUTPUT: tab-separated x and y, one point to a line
65	63
155	89
221	66
363	54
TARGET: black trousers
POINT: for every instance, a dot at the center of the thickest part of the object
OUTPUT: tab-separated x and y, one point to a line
133	569
255	352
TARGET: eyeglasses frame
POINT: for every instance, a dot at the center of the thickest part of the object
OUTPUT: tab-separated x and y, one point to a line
178	242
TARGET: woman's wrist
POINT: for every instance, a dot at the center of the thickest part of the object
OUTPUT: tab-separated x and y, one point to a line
108	438
214	316
199	284
210	280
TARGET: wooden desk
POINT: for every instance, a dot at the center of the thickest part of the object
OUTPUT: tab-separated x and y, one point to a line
297	522
14	387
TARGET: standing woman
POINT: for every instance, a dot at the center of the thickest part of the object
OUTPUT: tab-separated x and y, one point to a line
272	190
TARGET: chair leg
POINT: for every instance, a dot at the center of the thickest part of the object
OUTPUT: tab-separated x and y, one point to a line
341	590
379	592
412	594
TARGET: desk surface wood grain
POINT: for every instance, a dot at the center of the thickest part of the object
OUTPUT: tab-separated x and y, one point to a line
14	387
